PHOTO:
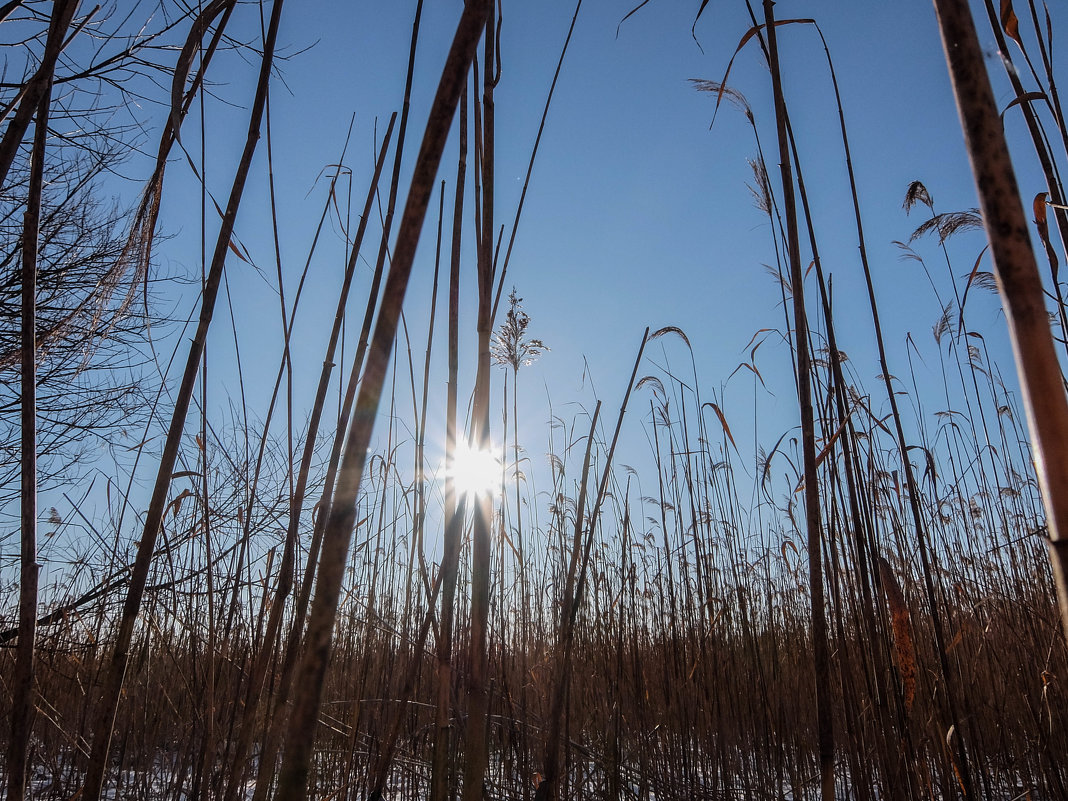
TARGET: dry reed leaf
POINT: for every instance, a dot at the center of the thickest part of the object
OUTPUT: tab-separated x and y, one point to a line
753	339
953	758
192	45
1010	23
719	614
879	421
175	505
1039	207
1019	100
237	251
629	14
904	647
722	422
968	285
749	34
693	30
765	473
752	369
507	539
834	438
957	639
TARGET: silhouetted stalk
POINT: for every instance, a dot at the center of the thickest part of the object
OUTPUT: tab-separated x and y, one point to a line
206	759
361	347
866	565
38	86
420	451
293	645
476	750
530	164
413	652
284	372
387	748
606	474
574	591
139	574
334	553
23	694
1018	279
269	641
548	789
821	653
439	781
913	489
1051	83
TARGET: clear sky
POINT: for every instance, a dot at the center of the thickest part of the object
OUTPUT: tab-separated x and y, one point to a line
638	214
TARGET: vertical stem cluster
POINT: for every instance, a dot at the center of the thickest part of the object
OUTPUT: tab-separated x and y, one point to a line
116	671
296	762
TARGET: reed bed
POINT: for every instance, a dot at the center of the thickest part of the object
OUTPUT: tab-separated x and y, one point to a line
859	605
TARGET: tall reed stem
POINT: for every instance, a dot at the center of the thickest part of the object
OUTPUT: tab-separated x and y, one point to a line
820	648
22	707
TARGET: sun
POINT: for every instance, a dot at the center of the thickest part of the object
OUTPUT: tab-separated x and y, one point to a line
475	472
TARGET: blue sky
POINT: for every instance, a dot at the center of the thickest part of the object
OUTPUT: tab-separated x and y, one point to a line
638	214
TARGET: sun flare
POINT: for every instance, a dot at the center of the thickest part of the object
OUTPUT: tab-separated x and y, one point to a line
475	472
